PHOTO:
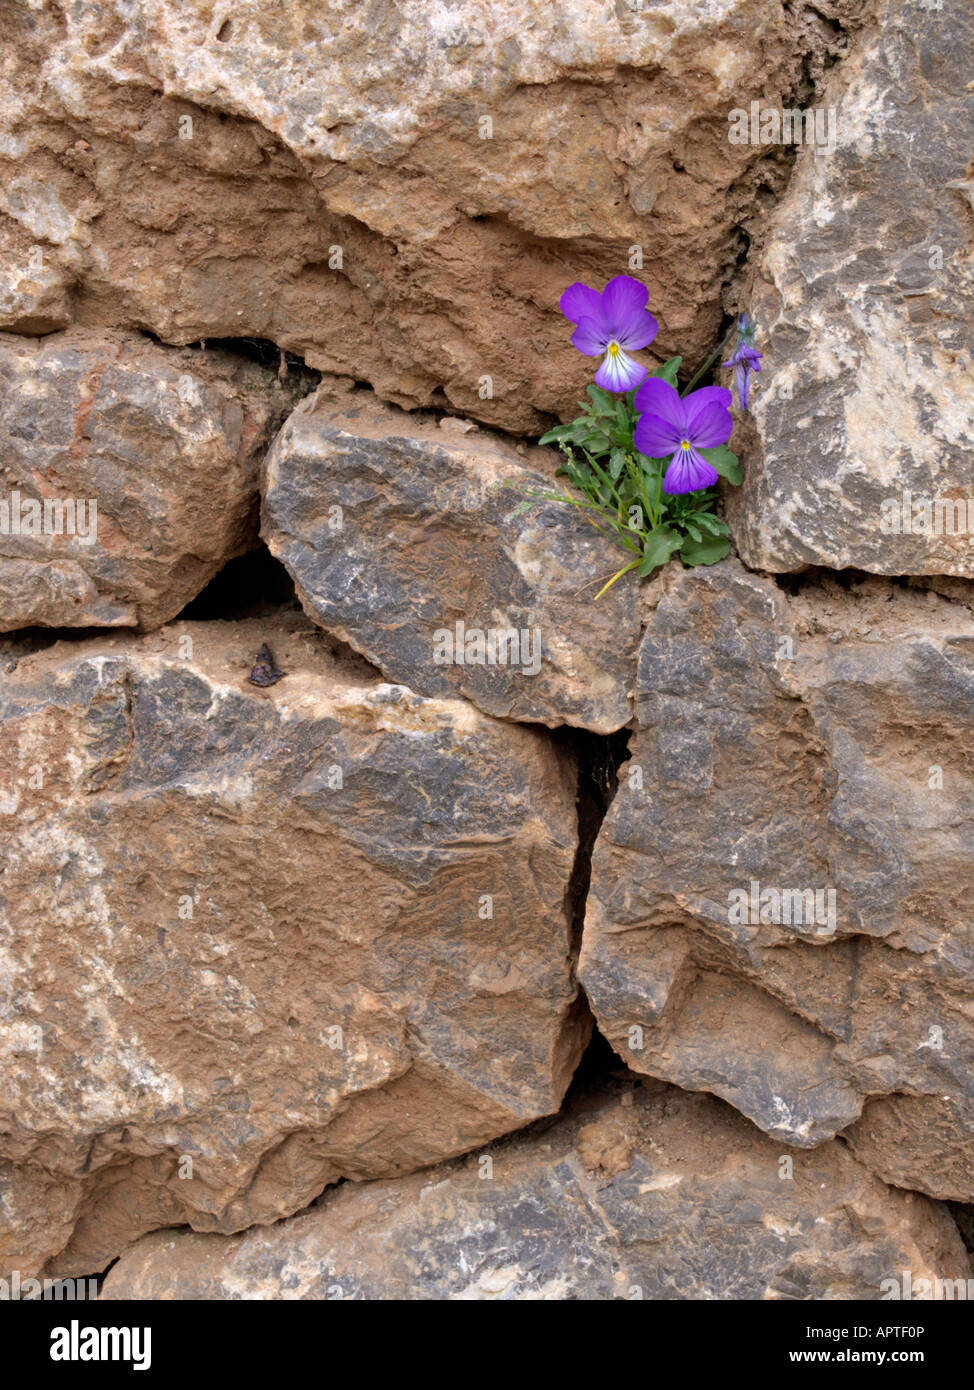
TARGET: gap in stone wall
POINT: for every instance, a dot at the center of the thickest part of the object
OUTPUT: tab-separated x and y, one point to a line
247	587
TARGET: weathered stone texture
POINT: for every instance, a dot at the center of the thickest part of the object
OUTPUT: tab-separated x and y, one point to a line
813	743
653	1194
172	166
395	531
258	938
145	460
203	881
864	298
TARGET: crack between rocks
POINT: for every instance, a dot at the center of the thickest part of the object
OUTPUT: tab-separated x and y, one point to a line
263	351
598	758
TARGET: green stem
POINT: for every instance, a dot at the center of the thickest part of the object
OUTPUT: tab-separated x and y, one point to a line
650	512
721	347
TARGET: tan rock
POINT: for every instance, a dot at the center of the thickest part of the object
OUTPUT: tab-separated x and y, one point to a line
864	297
128	475
428	551
201	173
780	902
254	940
670	1196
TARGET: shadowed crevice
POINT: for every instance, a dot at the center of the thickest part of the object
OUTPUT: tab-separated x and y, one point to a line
264	351
963	1214
599	757
250	586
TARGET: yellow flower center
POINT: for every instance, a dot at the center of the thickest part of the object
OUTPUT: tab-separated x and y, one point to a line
685	444
613	349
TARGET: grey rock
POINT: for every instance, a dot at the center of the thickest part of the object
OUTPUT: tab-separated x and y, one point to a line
816	746
395	532
255	940
651	1194
864	299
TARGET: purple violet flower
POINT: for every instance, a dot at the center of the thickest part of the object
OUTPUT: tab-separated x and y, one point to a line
670	424
610	325
745	359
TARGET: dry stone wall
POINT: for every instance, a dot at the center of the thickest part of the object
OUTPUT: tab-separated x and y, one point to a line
336	813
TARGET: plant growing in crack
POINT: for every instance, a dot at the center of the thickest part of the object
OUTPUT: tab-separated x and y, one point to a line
643	457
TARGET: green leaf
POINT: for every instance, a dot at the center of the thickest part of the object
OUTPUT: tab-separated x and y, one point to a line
725	462
603	402
621	437
651	473
708	522
578	473
703	552
617	461
660	545
557	434
692	530
589	434
669	370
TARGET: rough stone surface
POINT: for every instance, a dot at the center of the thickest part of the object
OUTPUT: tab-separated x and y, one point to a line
651	1194
191	905
864	298
168	164
160	447
818	742
272	916
427	534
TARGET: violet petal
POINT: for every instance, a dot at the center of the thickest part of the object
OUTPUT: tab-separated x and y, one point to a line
580	302
619	373
656	437
687	472
590	337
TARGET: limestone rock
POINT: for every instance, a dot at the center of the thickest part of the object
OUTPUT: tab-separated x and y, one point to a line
396	532
399	193
128	475
654	1194
864	300
254	940
35	294
780	904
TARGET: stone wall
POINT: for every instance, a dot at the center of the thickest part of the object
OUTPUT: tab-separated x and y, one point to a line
306	922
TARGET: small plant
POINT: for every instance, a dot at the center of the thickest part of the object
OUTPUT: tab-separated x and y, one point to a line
744	359
643	457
